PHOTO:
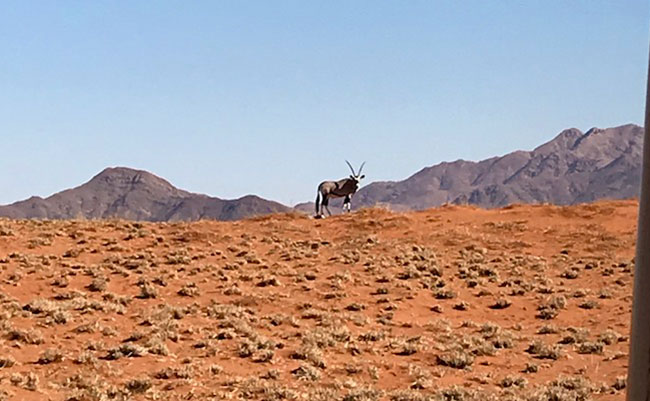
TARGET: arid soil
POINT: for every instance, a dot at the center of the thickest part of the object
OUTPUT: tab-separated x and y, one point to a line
453	303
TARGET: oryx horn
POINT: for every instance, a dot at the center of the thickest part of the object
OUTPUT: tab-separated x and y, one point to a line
351	168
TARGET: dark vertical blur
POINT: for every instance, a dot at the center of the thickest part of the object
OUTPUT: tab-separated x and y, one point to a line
639	366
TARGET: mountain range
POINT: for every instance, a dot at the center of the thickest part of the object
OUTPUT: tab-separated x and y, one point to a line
574	167
137	195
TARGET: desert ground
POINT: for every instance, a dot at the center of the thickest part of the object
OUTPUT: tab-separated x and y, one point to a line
452	303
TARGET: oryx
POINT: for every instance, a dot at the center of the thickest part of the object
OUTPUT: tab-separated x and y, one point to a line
338	189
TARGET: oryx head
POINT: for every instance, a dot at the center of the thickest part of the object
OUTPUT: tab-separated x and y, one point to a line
356	176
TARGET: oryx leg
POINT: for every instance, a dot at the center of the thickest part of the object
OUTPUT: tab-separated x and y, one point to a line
319	209
346	203
325	202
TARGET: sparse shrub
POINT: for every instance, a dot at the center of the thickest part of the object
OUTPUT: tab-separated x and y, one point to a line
591	304
420	378
117	299
227	334
407	348
126	350
72	253
408	395
372	336
575	335
189	290
61	281
548	329
160	280
437	309
138	386
311	354
306	372
557	302
147	290
261	349
232	290
461	306
483	348
473	283
179	257
380	291
570	274
352	369
501	303
28	381
457	359
268	281
355	307
620	383
543	351
408	273
510	381
496	337
552	307
489	329
41	306
86	328
590	348
50	356
564	388
547	313
215	369
174	373
29	336
7	362
531	368
108	331
441	293
263	356
98	284
362	394
157	346
135	336
85	357
609	337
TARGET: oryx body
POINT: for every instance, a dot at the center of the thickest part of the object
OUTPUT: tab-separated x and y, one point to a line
345	187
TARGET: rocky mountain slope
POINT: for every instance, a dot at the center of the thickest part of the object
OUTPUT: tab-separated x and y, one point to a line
572	168
137	195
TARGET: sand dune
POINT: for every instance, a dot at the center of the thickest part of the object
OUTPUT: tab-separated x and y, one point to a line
453	303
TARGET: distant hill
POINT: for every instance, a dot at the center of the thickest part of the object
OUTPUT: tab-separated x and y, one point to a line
137	195
572	168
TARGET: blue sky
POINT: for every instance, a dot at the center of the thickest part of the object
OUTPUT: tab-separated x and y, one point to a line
269	97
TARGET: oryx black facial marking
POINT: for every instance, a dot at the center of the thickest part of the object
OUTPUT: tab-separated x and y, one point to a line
338	189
